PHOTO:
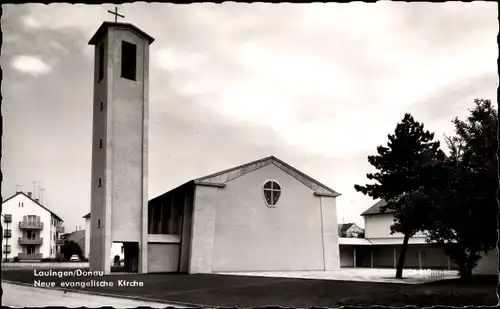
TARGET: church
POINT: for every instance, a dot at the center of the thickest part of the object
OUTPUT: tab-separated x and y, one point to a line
261	216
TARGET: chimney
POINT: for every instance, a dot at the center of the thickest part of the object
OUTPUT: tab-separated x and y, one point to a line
29	194
37	200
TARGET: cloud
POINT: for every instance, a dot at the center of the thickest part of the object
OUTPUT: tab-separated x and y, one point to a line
170	59
318	85
32	65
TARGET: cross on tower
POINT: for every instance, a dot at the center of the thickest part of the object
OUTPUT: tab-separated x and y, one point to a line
116	14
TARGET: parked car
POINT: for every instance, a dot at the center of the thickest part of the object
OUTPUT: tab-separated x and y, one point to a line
74	258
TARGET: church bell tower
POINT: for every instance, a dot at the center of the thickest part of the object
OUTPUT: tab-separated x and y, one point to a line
119	184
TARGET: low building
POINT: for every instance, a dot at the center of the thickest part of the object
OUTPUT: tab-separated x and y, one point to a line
381	249
31	231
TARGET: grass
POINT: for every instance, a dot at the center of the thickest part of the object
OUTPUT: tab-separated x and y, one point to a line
249	291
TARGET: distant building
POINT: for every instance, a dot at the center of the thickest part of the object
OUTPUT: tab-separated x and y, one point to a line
31	230
350	230
380	249
78	237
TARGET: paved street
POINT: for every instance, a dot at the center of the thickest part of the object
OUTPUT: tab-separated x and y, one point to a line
24	296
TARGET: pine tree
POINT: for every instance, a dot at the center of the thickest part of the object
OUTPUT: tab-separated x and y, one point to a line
402	167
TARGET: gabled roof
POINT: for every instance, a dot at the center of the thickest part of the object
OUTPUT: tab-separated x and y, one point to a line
105	25
22	193
376	209
344	227
75	236
224	176
86	216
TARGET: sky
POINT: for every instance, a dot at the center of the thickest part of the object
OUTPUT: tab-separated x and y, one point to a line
319	86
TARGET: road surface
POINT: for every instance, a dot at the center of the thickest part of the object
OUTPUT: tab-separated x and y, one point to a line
25	296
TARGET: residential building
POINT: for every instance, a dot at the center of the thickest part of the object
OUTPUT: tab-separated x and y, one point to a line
350	230
31	230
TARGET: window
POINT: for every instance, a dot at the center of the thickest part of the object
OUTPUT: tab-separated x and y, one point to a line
6	249
272	192
99	182
98	223
102	106
101	62
129	60
50	250
100	143
7	218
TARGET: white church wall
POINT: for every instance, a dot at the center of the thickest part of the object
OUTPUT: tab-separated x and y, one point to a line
203	229
250	236
127	143
97	258
118	204
163	257
331	254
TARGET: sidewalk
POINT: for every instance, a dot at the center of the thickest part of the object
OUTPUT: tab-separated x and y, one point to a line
15	295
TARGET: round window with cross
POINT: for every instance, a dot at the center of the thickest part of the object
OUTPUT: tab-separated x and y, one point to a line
272	193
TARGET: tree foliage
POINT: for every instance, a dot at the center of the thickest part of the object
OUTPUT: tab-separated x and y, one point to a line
402	168
462	190
70	248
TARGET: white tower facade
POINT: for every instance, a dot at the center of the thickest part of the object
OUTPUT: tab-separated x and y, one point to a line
119	187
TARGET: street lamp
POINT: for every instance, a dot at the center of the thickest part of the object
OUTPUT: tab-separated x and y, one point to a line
6	239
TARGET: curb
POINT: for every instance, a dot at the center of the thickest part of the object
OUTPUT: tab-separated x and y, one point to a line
188	305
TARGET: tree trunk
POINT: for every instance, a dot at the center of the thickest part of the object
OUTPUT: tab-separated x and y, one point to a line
466	274
401	260
464	269
461	269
